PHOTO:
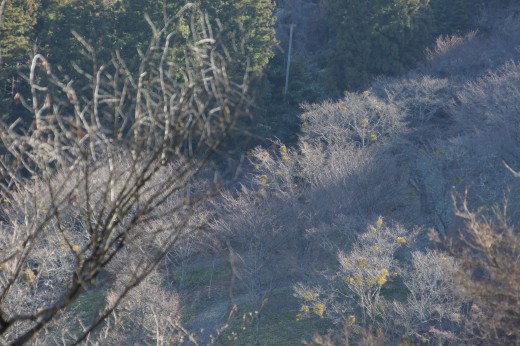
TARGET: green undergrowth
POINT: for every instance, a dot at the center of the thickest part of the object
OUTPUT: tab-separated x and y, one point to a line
198	276
88	307
278	323
91	303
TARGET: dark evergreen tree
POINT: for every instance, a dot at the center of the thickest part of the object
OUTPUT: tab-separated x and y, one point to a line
16	40
375	37
94	20
452	16
248	33
16	31
248	29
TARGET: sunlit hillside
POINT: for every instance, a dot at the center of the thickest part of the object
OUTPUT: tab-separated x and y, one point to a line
181	195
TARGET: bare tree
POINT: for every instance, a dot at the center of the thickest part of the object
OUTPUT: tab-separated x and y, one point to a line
488	248
105	179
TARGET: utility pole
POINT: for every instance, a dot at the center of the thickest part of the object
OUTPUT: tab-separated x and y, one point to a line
286	89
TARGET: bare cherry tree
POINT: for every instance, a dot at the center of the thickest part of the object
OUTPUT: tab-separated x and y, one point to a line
104	179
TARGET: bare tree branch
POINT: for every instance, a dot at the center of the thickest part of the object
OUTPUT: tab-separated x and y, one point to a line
108	178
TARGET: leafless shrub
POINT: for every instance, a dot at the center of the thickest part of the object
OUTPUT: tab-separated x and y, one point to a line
249	221
326	181
368	266
421	96
432	302
357	118
320	167
451	44
146	317
355	292
149	314
488	249
362	294
277	171
485	114
315	196
491	100
491	47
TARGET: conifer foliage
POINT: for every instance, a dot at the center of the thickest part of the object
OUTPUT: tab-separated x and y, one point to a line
16	35
375	37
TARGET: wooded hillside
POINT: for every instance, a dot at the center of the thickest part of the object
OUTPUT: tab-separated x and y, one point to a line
160	186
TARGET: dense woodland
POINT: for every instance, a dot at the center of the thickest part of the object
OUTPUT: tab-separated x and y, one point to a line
159	185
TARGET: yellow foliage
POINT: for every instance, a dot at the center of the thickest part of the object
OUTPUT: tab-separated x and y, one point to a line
305	309
319	309
183	28
28	275
359	279
379	222
373	137
265	155
4	267
352	319
382	277
401	240
363	123
75	248
375	102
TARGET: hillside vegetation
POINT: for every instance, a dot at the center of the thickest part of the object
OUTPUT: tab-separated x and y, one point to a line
391	217
395	213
